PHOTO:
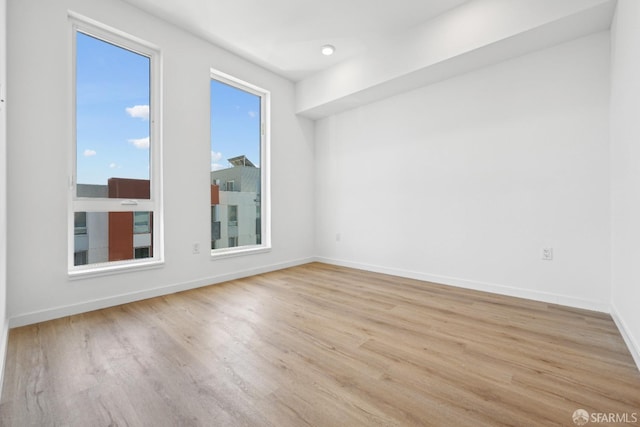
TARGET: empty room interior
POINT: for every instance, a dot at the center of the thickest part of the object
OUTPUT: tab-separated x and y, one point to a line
324	213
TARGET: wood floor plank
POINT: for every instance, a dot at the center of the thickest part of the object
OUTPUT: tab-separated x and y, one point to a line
319	345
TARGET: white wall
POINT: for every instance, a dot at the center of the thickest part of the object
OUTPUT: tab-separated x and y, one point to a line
3	190
465	181
625	171
39	75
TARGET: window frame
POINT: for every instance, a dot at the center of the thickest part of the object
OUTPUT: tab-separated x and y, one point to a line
90	27
265	166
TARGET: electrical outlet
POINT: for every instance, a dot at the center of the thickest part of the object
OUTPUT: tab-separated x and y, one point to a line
547	254
196	248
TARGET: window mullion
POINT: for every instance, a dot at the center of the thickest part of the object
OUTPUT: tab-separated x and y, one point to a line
115	205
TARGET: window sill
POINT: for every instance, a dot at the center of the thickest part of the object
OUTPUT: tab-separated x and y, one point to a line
233	252
108	269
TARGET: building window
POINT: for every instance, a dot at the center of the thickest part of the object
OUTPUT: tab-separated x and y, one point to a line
142	252
232	215
258	226
239	160
81	258
115	193
215	226
79	223
141	222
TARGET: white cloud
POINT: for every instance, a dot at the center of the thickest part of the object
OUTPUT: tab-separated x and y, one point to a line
215	156
252	114
89	153
138	112
113	165
141	143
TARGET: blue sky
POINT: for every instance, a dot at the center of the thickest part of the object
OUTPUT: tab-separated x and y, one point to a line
235	125
112	118
112	115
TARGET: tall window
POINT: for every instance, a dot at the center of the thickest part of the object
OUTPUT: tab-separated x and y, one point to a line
239	166
115	191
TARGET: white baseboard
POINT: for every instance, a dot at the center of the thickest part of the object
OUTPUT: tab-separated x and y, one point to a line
97	304
632	344
476	285
4	341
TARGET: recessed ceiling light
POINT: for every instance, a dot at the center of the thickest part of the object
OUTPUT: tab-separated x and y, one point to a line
328	49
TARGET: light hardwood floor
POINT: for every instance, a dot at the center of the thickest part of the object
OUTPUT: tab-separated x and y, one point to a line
319	345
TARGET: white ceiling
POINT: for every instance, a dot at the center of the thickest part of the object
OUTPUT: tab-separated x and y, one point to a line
384	47
285	36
